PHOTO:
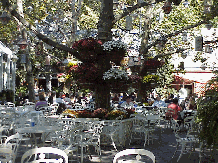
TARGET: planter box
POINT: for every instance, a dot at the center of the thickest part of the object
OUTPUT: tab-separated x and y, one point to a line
122	134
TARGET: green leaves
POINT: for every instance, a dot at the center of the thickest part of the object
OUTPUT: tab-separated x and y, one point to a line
207	115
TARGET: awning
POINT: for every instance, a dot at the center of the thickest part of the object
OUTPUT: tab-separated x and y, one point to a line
4	49
180	80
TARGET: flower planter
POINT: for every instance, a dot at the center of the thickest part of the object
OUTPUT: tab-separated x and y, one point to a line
62	80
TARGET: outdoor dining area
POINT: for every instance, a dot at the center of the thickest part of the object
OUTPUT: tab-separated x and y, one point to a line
28	135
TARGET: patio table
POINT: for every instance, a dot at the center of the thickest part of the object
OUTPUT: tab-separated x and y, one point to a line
44	130
186	113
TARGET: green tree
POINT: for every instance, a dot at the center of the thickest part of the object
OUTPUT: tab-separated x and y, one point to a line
105	19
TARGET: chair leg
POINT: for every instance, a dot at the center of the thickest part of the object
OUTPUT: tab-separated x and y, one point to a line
114	143
146	138
82	154
182	150
176	150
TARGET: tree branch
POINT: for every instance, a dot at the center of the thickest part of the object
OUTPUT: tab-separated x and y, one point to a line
38	34
171	35
131	9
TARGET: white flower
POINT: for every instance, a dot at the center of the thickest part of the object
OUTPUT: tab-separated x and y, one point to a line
110	45
115	73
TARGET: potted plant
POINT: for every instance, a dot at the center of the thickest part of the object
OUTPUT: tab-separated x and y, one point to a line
88	48
99	113
114	114
117	79
115	50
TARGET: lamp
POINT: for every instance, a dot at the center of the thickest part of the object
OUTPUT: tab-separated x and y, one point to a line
198	43
203	67
207	6
47	60
65	62
184	36
161	42
184	55
186	3
208	26
167	7
5	18
22	44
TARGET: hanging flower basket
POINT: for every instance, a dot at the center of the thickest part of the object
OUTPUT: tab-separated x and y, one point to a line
62	80
115	51
89	48
117	79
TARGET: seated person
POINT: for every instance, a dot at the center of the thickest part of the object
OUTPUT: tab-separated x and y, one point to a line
176	109
42	102
115	98
127	103
191	104
159	103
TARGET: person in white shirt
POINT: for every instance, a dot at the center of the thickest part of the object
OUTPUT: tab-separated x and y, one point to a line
128	103
159	103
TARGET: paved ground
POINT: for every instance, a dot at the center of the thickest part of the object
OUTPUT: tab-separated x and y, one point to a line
163	148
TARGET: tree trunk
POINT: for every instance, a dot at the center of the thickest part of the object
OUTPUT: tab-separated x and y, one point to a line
144	42
102	92
30	80
102	96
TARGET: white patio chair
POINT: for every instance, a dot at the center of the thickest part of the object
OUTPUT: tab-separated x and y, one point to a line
153	120
8	150
91	106
188	122
111	130
170	112
185	142
45	154
10	104
29	104
54	108
84	139
138	127
79	107
138	152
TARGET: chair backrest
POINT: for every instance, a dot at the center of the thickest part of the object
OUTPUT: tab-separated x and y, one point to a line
137	152
11	145
79	107
53	154
10	104
29	103
170	110
6	154
175	127
40	106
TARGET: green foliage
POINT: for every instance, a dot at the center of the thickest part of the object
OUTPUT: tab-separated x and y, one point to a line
21	90
150	78
207	115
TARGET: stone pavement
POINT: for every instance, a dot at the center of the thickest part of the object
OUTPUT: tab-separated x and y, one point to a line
163	148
